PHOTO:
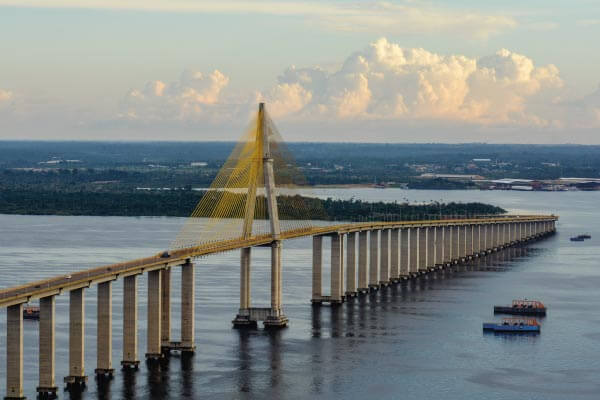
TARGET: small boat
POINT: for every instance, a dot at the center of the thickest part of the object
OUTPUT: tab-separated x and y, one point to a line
577	239
31	312
586	236
513	325
522	307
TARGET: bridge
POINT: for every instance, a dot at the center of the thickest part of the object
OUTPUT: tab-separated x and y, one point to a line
241	211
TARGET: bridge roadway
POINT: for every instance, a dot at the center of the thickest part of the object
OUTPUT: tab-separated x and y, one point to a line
54	286
377	253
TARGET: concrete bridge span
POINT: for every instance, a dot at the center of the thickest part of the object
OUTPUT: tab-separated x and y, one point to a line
364	257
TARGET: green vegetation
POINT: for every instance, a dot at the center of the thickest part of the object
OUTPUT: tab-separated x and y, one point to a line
180	203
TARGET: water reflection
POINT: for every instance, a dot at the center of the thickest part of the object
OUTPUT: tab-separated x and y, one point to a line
103	386
244	375
129	381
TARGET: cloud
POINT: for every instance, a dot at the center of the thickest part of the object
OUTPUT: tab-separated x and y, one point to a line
190	98
386	81
5	95
588	22
403	16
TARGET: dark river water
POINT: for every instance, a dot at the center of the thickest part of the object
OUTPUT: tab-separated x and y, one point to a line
418	340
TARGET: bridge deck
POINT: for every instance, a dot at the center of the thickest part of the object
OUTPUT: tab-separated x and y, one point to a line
43	288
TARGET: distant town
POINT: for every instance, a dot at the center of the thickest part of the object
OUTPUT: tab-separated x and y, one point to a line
131	166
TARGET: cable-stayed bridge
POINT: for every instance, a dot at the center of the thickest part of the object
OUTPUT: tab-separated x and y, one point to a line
254	201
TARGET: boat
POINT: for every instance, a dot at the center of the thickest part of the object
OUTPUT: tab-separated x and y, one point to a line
522	307
31	312
581	238
513	325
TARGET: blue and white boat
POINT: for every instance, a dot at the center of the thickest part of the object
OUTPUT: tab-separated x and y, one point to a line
513	325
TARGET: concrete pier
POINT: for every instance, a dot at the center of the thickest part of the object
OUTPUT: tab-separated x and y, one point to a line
165	309
276	317
104	331
76	339
363	277
430	254
351	264
422	253
188	307
130	323
384	272
317	269
243	317
14	352
154	316
447	245
469	241
374	260
395	255
413	242
47	385
404	252
337	264
455	249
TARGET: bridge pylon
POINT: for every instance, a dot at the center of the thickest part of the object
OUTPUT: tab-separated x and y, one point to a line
261	172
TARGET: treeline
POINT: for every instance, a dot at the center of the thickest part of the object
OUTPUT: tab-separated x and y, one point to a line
181	203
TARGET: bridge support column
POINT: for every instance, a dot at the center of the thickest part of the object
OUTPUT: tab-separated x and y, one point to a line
447	245
413	243
483	240
404	252
374	260
351	264
188	305
337	266
165	309
384	278
77	375
154	319
490	233
317	269
422	240
439	246
469	241
498	236
430	248
242	319
476	240
394	255
130	323
522	231
276	318
363	283
104	331
455	243
14	352
462	242
47	385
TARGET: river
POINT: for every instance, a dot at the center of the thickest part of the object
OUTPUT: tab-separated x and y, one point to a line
418	340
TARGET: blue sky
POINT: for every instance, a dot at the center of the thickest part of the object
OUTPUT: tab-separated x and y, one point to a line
96	69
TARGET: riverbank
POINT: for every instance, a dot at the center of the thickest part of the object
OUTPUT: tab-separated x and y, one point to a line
181	203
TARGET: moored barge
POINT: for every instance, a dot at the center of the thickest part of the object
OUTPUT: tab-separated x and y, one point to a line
513	325
522	307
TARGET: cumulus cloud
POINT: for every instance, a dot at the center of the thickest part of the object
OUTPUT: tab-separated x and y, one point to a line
189	98
386	81
5	95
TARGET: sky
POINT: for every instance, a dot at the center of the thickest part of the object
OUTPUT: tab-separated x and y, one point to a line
347	71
